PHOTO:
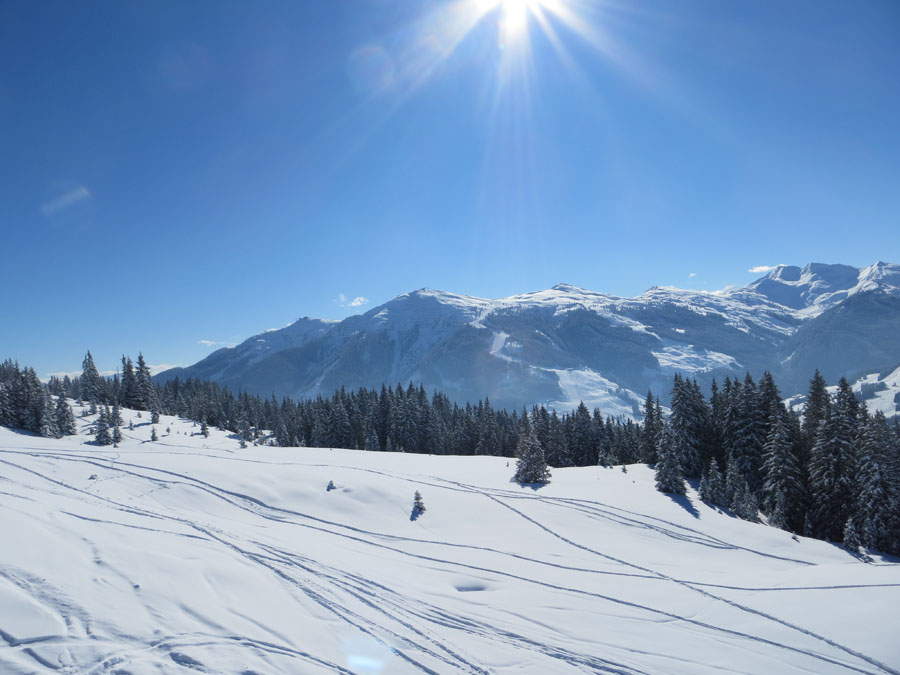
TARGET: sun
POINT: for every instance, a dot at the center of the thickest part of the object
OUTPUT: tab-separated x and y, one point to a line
515	17
514	14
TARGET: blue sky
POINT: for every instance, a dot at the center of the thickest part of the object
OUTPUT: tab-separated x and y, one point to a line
176	176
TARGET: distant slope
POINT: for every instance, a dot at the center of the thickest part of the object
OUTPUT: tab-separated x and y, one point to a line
568	344
193	555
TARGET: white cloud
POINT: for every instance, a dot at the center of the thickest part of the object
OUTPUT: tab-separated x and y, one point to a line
692	275
214	343
762	269
358	301
65	200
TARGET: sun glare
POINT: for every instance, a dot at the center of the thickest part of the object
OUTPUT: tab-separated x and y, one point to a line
515	17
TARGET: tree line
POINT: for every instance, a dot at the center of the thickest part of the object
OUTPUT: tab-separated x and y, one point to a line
832	472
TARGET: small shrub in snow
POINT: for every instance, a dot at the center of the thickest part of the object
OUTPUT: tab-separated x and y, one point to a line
418	506
330	486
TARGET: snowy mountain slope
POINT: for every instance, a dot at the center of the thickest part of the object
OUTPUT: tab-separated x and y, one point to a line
879	391
191	554
531	348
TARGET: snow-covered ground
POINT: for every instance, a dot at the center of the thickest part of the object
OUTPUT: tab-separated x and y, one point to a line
191	554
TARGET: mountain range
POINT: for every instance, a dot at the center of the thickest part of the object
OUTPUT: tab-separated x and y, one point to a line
567	344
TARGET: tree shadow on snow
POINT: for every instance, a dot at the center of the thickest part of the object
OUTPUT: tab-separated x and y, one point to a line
533	486
685	503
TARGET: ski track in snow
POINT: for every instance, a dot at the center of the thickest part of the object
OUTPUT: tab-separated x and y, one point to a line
390	617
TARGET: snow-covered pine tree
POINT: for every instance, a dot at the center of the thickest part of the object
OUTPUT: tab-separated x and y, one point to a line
6	412
669	477
116	436
418	506
850	536
649	431
687	425
783	491
877	515
101	433
746	439
204	429
531	466
115	418
49	428
832	472
557	452
153	436
712	485
145	392
128	386
743	502
93	386
65	418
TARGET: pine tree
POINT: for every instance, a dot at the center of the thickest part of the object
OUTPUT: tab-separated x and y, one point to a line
7	418
49	428
783	491
531	466
204	429
850	536
153	436
712	485
747	439
116	436
687	425
649	431
92	385
877	515
128	386
669	477
832	469
65	419
145	392
418	506
102	435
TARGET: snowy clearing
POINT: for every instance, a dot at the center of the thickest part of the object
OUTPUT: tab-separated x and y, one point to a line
193	555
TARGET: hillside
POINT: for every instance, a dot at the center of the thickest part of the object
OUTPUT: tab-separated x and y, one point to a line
192	554
567	344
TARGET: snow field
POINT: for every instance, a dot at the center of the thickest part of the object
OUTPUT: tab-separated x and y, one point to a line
191	554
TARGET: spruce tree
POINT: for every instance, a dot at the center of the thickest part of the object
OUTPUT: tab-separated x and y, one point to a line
102	435
65	419
93	386
418	506
712	486
832	470
128	387
783	491
49	428
818	402
531	466
877	515
669	477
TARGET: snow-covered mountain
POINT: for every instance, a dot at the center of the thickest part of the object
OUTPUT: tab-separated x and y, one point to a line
567	344
193	555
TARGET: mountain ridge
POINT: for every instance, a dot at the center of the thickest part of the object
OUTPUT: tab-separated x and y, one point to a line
565	344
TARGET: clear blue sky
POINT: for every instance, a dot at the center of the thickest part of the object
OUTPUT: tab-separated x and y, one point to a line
174	174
